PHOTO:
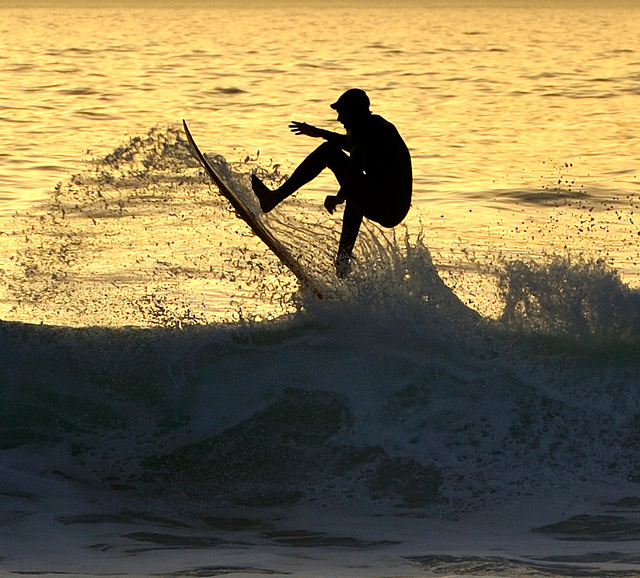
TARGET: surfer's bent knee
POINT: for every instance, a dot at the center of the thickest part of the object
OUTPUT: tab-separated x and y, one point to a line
332	152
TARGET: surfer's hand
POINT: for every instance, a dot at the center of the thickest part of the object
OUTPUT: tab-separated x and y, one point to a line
331	202
305	129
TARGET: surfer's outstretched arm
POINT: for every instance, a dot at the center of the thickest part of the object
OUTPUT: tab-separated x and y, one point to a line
315	132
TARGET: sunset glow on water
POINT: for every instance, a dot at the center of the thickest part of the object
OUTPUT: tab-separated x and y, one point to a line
521	122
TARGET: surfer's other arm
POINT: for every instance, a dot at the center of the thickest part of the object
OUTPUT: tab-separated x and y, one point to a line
332	201
313	131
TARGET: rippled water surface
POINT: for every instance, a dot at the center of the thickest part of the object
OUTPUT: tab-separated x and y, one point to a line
522	121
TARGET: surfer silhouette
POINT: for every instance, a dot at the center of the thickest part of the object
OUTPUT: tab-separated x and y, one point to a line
371	163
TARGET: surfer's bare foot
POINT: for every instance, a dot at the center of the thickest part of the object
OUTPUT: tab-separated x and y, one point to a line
343	265
268	198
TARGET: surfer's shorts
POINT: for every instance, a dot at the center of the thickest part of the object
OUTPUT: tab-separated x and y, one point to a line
381	202
384	200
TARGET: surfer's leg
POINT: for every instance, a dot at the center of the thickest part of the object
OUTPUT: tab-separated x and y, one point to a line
351	221
327	155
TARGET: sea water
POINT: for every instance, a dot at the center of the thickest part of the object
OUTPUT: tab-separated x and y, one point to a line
174	404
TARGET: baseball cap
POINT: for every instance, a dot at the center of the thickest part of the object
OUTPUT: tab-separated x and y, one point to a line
353	99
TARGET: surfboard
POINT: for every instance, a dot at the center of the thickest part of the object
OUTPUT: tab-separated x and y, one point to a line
258	228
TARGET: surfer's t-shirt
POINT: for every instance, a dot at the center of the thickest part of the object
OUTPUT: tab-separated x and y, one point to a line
377	149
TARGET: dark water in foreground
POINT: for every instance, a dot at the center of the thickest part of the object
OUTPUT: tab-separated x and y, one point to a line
388	430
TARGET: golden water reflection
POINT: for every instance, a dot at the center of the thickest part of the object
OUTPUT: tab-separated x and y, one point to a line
522	123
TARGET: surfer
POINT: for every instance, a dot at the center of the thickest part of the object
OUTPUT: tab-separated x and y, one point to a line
371	163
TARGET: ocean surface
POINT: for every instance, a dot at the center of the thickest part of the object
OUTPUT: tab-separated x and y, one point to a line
466	403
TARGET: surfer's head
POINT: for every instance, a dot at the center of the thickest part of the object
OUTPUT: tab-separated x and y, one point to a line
354	100
352	105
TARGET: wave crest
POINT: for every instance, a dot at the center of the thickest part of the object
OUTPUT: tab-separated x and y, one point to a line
574	297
